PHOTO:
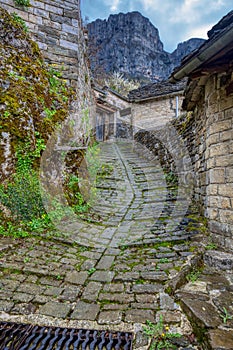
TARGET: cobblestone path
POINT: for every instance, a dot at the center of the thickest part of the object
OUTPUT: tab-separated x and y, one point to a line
109	274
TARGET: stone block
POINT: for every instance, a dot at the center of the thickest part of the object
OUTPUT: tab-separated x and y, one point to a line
220	126
213	201
85	311
226	216
220	149
220	339
224	161
54	9
212	213
200	311
116	298
69	29
38	4
219	260
225	203
41	13
91	291
35	19
147	288
49	23
102	276
217	175
60	19
139	316
226	135
226	190
110	317
228	113
69	45
55	309
77	278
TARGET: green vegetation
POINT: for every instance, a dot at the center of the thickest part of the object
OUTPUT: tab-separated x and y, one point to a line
19	20
120	84
161	337
193	275
210	246
25	3
226	316
34	103
91	271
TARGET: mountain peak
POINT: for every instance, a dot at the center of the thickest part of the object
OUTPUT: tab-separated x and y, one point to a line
129	43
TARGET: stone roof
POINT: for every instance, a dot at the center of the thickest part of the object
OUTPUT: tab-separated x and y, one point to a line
152	90
214	56
224	25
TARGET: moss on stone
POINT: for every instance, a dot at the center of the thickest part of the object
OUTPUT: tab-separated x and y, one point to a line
27	90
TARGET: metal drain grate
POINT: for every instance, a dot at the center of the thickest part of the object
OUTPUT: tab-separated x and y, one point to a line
27	337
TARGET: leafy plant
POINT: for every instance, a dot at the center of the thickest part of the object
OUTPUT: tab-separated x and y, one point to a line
193	276
226	316
19	20
210	246
13	231
25	3
91	271
159	334
120	84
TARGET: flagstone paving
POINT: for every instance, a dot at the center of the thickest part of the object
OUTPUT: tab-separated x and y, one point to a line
111	273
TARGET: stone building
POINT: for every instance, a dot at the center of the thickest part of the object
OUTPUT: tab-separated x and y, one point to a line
113	114
156	104
209	99
146	108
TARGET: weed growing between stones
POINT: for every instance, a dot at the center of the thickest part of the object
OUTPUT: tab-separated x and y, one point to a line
161	337
226	316
19	20
193	275
25	3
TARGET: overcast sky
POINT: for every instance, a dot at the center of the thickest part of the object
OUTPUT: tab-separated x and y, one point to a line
177	20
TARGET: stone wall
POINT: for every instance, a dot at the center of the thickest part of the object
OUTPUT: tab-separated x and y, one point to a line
219	159
151	113
56	27
207	134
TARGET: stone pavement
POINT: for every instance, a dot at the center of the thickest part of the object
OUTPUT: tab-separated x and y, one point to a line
112	273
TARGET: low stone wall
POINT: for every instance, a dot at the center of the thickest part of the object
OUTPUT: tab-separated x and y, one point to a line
207	135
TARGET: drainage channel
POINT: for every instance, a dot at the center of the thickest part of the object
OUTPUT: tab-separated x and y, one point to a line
15	336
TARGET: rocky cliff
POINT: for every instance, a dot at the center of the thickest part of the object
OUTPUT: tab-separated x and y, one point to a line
130	44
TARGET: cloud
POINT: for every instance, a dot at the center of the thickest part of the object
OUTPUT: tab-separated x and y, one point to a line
113	4
199	32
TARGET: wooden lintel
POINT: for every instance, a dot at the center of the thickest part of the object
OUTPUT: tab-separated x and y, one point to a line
211	69
105	108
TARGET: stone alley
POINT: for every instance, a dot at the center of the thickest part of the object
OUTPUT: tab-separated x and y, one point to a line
114	273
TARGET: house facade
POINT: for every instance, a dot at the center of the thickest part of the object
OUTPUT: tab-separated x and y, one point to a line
209	100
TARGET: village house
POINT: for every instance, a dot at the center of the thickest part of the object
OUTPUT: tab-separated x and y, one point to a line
209	98
145	108
156	104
